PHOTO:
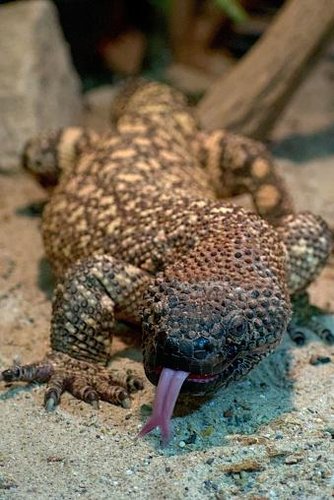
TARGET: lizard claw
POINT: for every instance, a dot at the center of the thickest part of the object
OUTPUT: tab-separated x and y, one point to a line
86	381
56	387
329	336
306	315
50	401
126	403
324	333
133	382
296	335
93	399
10	375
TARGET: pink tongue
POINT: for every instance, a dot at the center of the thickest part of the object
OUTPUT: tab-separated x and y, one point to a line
168	389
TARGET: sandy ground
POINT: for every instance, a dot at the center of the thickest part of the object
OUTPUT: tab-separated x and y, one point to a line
270	436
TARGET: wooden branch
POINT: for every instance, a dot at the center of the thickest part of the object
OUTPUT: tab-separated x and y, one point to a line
180	22
191	34
250	98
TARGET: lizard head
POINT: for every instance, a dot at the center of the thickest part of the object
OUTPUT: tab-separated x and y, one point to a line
214	313
200	336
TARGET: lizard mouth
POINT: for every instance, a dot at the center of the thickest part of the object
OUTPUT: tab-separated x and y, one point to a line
194	377
172	380
170	383
168	389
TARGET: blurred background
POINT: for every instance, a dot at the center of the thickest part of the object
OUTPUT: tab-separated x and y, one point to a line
188	42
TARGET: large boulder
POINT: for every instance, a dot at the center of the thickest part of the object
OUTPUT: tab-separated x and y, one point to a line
39	89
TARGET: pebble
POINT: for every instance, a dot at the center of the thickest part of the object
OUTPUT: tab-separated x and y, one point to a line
293	459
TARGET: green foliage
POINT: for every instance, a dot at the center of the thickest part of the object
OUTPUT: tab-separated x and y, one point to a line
233	9
162	5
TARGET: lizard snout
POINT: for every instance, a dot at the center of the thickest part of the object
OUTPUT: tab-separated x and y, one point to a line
199	348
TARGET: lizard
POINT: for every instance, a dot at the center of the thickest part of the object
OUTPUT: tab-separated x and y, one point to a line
137	228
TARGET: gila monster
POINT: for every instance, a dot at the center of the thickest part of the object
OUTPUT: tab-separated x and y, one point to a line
136	230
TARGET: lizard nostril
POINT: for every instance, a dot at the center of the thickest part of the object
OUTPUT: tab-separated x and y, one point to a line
203	344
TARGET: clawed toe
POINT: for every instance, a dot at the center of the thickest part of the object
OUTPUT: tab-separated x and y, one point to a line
81	388
307	316
112	392
319	329
54	390
35	372
51	400
296	334
133	382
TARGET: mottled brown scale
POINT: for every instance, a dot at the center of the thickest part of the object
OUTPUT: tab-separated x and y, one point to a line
136	230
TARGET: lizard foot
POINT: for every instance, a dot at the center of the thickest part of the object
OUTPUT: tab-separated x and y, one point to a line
86	381
306	315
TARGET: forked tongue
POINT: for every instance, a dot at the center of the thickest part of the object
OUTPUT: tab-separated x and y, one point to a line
169	386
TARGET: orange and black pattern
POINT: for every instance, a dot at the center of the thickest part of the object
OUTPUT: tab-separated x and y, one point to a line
136	229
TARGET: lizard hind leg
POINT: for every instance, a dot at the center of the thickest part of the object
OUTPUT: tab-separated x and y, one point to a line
236	165
84	308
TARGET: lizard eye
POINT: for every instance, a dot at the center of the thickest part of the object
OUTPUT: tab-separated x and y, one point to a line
237	327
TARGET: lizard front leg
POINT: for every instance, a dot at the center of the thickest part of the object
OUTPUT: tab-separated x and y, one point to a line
238	165
54	153
85	305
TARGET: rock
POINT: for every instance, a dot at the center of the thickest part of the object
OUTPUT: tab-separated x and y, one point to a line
97	107
39	88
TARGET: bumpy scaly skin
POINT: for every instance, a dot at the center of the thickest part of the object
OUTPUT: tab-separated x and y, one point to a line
135	230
